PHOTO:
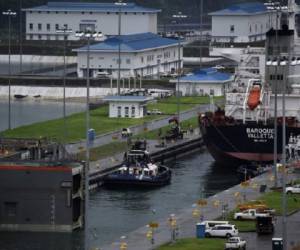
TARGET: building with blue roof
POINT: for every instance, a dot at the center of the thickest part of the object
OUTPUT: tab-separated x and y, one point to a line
127	106
242	23
43	21
207	81
143	54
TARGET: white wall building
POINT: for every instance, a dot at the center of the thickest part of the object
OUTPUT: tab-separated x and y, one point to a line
43	21
127	106
242	23
204	82
145	54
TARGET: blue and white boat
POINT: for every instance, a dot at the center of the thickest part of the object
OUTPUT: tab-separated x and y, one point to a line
139	170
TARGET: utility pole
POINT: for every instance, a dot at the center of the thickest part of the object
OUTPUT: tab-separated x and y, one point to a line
9	14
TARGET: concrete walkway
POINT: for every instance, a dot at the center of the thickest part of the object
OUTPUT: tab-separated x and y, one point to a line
137	240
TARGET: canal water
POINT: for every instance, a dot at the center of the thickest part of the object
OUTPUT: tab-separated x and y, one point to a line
24	112
113	213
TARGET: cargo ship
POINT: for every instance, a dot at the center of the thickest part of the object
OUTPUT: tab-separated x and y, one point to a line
244	130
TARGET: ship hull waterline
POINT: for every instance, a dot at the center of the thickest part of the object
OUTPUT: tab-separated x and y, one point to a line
240	143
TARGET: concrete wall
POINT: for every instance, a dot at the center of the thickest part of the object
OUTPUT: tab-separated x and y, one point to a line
145	63
131	23
38	59
55	92
33	200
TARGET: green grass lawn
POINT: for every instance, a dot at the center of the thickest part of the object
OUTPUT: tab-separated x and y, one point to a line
54	129
153	135
273	200
195	244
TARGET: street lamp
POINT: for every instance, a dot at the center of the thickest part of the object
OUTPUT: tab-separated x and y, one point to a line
88	35
201	24
9	14
119	4
65	32
179	16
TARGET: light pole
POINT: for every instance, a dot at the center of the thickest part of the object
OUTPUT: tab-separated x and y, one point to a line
21	37
179	16
201	24
9	14
65	31
88	35
119	4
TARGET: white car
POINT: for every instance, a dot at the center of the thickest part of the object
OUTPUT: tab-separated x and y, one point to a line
219	67
154	112
249	214
126	132
222	231
293	190
235	243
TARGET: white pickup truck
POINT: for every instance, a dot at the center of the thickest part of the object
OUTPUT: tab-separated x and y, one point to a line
249	214
235	243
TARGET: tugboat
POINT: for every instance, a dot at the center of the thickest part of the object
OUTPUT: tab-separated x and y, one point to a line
138	170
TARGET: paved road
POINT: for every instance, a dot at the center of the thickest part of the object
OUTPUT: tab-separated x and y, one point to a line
152	125
186	223
264	242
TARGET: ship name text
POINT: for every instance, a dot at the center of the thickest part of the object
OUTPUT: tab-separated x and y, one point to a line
260	134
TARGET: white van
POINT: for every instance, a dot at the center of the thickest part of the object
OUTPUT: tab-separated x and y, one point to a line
211	223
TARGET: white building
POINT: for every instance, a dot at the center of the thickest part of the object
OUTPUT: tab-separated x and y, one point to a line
43	21
142	55
204	82
127	106
242	23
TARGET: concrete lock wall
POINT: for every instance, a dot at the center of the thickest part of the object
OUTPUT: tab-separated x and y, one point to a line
34	199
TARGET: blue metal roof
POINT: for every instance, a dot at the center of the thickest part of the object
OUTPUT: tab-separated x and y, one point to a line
92	7
207	75
242	9
127	98
132	43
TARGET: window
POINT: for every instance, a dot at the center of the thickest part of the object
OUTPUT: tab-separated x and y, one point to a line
56	26
231	28
40	37
31	26
87	26
10	209
107	13
250	29
30	37
48	37
119	111
142	59
128	60
126	111
48	26
65	26
66	12
132	111
39	26
65	38
91	13
212	92
82	12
